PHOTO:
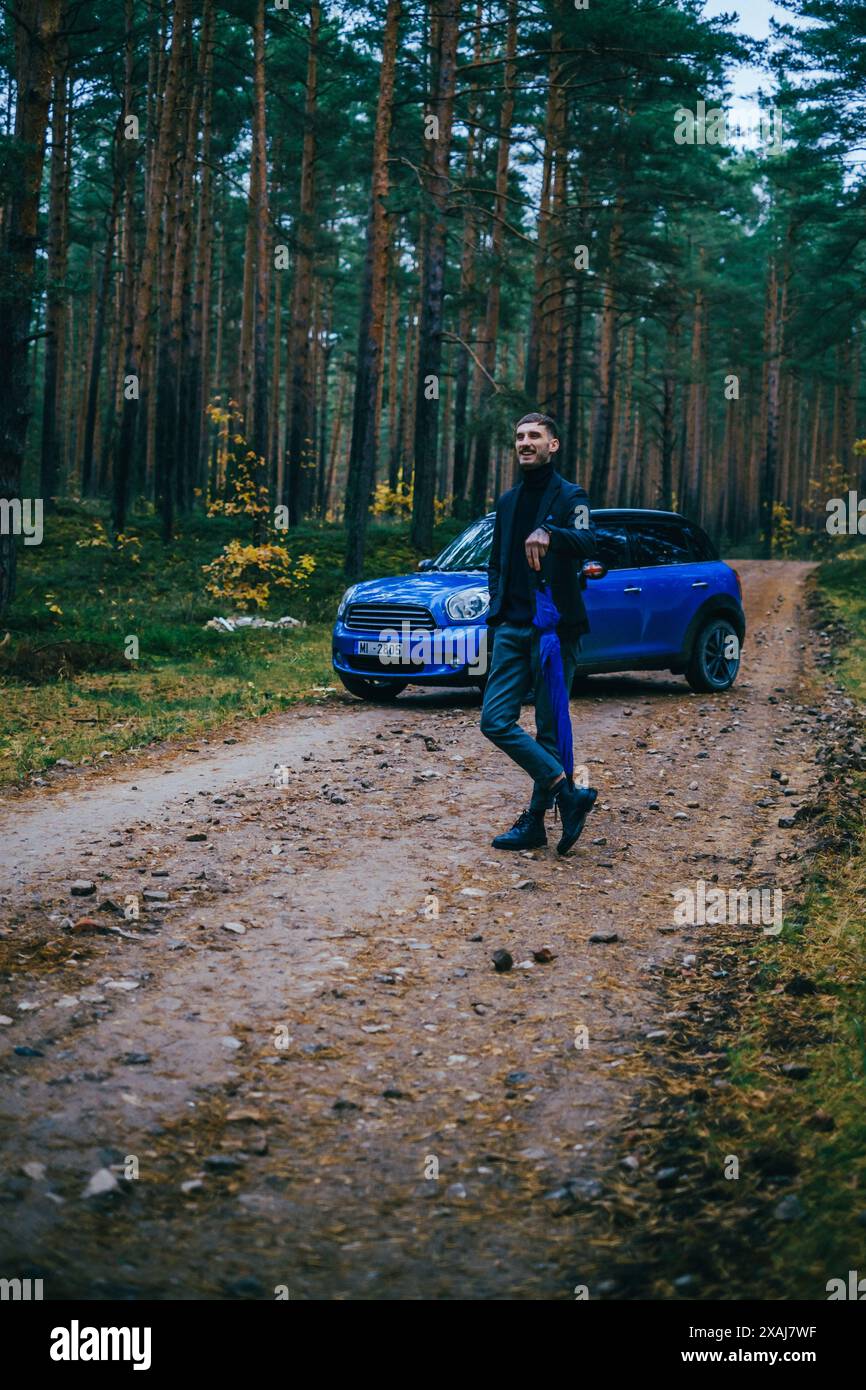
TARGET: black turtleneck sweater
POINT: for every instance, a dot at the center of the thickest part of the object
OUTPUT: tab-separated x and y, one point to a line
517	599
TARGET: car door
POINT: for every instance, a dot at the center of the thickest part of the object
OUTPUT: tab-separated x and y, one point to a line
613	604
674	580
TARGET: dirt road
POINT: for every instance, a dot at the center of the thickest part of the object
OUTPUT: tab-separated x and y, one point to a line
298	1064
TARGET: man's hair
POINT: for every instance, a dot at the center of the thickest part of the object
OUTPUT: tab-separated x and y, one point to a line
536	418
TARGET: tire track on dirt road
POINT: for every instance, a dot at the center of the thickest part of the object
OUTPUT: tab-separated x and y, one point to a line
370	903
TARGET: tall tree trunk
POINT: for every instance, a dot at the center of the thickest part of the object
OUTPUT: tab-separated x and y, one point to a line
134	365
55	313
167	375
328	500
95	361
602	421
362	455
436	185
550	363
691	500
326	347
622	482
276	373
35	25
199	356
669	389
258	433
180	307
533	349
487	349
467	312
410	359
393	374
300	405
774	349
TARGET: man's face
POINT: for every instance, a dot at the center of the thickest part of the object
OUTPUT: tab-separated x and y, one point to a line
534	444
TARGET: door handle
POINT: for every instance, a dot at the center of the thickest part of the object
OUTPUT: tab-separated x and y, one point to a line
633	589
701	584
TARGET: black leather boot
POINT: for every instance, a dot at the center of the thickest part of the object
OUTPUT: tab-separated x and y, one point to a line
527	832
574	805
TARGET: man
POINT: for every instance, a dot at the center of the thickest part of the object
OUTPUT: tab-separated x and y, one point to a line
542	534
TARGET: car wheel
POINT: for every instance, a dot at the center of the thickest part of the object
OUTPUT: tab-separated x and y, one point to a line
710	667
377	690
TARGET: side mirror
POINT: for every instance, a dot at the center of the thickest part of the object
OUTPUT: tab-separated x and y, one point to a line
593	569
426	564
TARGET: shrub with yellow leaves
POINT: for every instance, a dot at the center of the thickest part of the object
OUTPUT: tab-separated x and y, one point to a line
247	576
239	487
397	502
784	535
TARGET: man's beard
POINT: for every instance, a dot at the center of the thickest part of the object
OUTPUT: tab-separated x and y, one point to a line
535	459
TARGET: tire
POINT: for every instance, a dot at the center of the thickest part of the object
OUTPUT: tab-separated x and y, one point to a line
709	669
379	691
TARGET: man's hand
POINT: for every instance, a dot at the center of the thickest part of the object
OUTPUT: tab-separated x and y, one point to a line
537	546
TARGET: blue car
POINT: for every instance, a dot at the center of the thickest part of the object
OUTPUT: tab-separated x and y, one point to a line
657	596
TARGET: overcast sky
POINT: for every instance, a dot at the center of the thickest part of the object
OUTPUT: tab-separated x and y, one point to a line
754	20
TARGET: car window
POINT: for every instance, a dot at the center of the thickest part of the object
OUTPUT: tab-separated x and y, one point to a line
611	545
470	550
702	546
661	543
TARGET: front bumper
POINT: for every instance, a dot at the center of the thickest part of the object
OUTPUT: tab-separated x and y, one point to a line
442	656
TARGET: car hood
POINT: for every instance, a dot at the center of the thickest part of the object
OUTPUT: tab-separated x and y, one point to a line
430	588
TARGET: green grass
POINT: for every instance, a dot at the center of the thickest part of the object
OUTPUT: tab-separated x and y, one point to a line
187	679
842	587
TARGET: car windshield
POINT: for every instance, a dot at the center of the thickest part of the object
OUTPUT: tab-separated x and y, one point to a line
470	550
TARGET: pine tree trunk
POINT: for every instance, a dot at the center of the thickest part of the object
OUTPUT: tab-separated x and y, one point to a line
144	283
276	375
55	312
258	431
172	269
669	390
393	375
550	364
437	156
300	405
467	293
199	355
602	412
622	482
407	404
533	351
328	500
182	279
326	348
690	502
487	348
770	460
95	360
362	454
35	25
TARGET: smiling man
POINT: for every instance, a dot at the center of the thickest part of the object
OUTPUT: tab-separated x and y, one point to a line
542	534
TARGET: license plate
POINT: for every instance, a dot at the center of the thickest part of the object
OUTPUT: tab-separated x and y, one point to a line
391	651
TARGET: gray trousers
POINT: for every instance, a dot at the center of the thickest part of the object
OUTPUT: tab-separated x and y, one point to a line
514	670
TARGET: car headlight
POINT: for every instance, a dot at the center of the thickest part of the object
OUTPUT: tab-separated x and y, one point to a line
467	605
345	601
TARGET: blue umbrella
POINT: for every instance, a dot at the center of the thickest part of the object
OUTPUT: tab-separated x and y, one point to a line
547	616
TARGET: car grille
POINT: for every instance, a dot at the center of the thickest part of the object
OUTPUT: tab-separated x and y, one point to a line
376	617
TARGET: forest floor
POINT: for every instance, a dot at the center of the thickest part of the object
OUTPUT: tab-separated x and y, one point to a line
81	599
298	1070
